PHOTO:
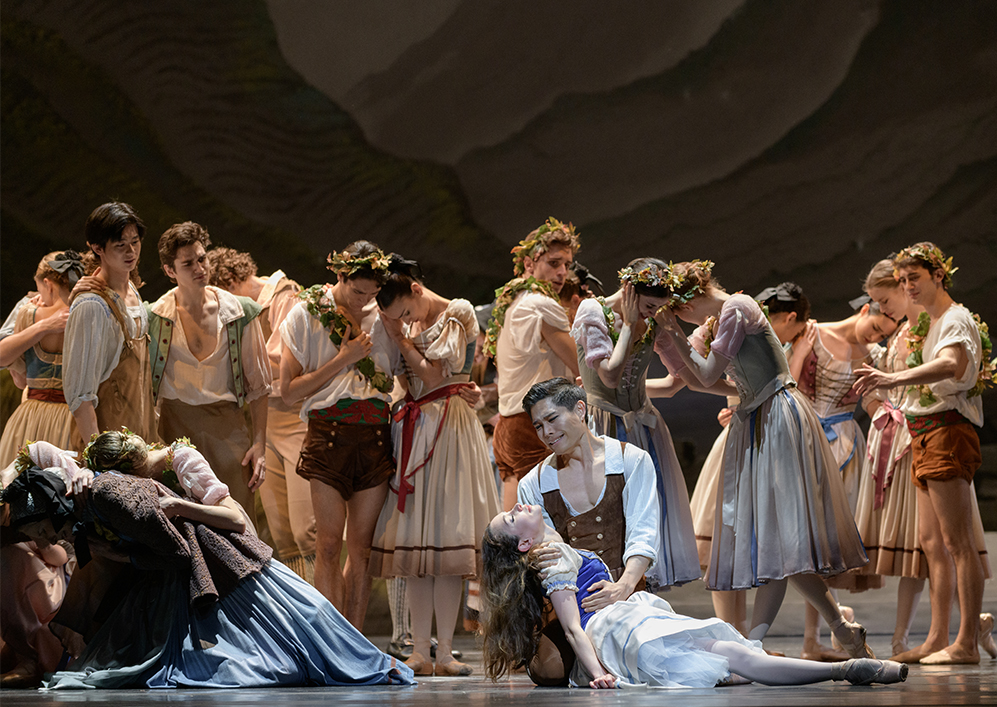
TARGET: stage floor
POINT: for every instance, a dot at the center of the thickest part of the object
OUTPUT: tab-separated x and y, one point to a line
875	609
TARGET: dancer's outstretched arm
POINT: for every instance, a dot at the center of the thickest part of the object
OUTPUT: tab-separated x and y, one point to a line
566	607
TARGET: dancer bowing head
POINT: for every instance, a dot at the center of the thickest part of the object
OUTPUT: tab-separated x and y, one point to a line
784	510
338	361
639	640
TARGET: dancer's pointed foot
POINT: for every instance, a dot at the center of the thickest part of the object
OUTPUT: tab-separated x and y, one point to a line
865	671
952	656
812	650
852	639
987	634
849	614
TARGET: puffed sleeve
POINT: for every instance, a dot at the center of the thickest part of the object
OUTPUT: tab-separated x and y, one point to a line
563	575
196	477
8	326
960	330
591	332
255	361
45	455
640	505
91	348
738	318
294	332
460	326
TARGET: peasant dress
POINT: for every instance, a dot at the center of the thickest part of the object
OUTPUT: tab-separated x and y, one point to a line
781	506
443	494
627	414
642	640
45	414
270	629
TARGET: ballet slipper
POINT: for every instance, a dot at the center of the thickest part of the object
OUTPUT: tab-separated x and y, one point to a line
854	644
22	676
987	634
899	646
865	671
949	656
913	655
453	669
420	666
822	654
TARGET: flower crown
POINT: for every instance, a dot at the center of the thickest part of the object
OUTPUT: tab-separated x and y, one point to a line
536	243
650	275
349	264
932	255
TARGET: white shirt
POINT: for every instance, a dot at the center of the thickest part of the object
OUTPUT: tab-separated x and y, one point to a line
309	343
210	381
93	342
955	327
641	507
522	357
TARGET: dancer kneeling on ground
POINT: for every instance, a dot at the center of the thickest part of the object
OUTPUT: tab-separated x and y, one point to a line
640	640
223	614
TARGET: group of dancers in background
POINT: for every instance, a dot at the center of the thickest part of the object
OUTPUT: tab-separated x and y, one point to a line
167	453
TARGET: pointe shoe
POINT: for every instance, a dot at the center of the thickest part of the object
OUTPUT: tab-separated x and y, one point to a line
987	634
855	644
21	676
849	614
420	666
822	653
864	671
453	669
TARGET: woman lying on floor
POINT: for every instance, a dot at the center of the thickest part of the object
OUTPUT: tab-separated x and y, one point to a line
640	640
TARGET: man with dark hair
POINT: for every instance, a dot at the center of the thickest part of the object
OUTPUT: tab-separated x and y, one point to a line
948	369
528	336
209	358
600	494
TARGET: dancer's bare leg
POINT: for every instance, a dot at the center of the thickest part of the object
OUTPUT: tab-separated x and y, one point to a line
420	601
330	520
952	506
363	510
732	607
908	597
447	594
941	587
768	600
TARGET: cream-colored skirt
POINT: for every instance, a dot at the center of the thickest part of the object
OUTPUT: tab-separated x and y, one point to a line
37	421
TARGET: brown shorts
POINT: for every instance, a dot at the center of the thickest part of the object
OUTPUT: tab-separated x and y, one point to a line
349	458
944	453
517	446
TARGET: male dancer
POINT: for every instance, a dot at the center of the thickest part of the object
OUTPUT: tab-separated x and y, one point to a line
287	499
209	358
942	405
528	336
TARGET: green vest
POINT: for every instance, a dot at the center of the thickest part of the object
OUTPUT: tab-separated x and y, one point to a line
161	336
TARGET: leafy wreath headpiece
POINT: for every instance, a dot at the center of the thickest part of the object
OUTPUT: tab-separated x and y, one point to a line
348	264
537	243
932	256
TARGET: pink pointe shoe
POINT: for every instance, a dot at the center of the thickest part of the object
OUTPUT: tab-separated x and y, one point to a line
865	671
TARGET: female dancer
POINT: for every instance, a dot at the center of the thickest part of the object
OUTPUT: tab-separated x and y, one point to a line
222	614
788	310
338	359
886	515
106	374
640	640
34	353
615	346
784	511
444	488
832	352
